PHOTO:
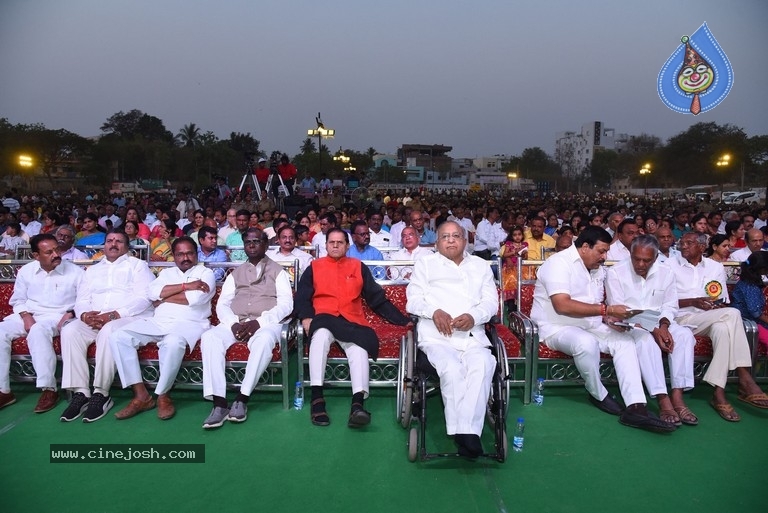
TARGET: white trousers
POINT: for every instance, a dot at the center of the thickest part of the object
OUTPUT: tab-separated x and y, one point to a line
214	344
730	348
586	346
652	365
465	383
40	342
75	339
359	371
171	350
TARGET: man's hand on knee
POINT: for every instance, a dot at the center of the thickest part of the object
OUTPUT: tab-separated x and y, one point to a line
443	322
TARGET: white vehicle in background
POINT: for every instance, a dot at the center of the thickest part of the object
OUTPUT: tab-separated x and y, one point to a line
740	197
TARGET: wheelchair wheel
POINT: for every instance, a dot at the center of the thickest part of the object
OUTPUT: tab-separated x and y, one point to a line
408	362
413	444
503	446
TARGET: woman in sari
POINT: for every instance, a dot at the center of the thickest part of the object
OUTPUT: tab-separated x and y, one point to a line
160	247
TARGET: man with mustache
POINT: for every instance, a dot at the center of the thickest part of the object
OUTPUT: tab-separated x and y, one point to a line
43	300
113	294
573	318
182	299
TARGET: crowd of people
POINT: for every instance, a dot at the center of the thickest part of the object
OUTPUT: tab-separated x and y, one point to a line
668	259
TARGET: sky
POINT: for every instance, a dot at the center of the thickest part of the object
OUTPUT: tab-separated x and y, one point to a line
485	77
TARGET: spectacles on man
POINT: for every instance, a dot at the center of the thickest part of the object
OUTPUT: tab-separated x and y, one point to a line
252	242
451	236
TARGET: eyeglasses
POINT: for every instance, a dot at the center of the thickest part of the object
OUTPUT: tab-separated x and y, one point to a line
451	236
336	242
252	242
362	234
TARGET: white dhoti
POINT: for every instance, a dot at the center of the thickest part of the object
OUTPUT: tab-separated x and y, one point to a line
171	339
40	343
586	346
214	344
465	382
652	366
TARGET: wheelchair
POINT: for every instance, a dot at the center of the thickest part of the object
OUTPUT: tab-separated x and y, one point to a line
417	380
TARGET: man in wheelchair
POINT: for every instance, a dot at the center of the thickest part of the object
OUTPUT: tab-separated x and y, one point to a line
453	294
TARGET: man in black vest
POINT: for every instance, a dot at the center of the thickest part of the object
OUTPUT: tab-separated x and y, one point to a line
254	299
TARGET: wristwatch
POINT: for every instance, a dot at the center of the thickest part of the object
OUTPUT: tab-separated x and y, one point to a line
112	316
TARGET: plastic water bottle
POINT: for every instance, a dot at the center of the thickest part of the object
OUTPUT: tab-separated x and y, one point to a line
538	392
298	398
518	438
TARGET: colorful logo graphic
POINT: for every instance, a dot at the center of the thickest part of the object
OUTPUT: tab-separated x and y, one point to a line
697	76
714	289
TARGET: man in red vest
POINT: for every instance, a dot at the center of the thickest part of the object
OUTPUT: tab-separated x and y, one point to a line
329	302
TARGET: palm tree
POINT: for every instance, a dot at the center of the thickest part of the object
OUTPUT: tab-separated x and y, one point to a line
308	147
189	135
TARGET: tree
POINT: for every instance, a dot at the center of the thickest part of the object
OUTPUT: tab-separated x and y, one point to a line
189	135
308	147
691	156
245	144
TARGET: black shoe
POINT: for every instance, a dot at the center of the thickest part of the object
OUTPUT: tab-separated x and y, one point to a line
76	407
609	405
98	406
469	445
359	418
649	422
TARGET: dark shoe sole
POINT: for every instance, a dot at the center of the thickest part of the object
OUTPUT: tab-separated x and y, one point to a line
358	419
649	424
601	406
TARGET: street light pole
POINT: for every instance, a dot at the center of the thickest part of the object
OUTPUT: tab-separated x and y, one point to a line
645	171
320	132
723	162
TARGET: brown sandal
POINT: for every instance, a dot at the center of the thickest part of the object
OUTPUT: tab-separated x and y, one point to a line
725	411
671	417
319	415
687	417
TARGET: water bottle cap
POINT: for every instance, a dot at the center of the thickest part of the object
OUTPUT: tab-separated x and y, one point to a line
540	379
520	419
298	383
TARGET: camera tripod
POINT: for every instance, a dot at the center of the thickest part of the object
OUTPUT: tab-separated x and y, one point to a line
249	174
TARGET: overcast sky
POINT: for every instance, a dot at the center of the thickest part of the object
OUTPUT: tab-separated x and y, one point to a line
483	76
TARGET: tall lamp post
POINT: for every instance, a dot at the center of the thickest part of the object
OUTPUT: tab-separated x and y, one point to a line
723	162
320	132
512	176
644	172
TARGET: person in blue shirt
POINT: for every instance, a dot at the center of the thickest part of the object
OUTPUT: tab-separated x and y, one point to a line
426	236
748	296
208	252
362	250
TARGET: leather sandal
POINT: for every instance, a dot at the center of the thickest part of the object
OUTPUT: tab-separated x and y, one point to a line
687	417
319	415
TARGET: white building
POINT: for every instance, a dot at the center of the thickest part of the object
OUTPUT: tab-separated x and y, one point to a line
574	150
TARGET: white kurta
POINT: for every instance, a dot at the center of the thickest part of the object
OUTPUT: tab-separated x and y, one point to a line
463	362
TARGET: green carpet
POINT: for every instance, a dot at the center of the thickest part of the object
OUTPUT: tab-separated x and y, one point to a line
576	459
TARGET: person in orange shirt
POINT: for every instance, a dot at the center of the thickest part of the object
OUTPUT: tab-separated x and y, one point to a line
329	304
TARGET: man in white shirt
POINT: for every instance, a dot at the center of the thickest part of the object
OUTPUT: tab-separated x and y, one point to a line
755	240
568	307
327	221
666	243
186	204
28	223
627	232
701	282
411	249
230	225
109	215
401	218
641	282
762	218
457	215
43	300
454	295
65	235
489	235
288	252
380	237
113	294
614	220
182	299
